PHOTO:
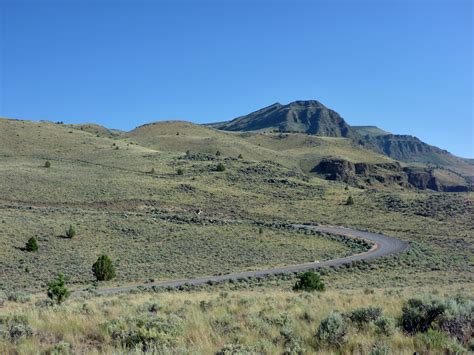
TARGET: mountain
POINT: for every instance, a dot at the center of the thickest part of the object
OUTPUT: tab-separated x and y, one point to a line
310	117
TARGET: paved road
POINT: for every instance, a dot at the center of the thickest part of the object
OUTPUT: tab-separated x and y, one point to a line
383	246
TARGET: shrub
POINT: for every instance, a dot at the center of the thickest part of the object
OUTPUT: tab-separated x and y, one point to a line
15	327
380	349
292	340
236	349
385	326
19	330
218	154
103	268
145	333
309	281
47	164
240	156
350	201
180	171
70	232
57	290
458	319
418	315
19	297
363	316
152	171
44	303
437	340
61	348
220	167
332	330
31	244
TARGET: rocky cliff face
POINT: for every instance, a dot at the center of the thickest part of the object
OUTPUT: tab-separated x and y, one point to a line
310	117
403	147
367	174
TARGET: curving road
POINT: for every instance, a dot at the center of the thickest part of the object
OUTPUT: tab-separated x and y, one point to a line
383	246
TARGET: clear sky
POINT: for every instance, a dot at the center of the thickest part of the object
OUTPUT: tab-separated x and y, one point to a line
403	65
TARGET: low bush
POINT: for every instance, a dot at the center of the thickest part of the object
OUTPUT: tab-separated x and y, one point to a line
149	333
236	349
350	201
220	167
418	314
361	317
309	281
385	326
70	232
15	327
57	290
61	348
380	349
18	296
31	245
180	171
47	164
332	330
458	319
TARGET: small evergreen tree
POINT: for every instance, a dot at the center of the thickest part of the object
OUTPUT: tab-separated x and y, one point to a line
152	171
309	281
240	156
31	244
180	171
47	164
103	268
57	290
220	167
70	232
218	153
260	230
350	201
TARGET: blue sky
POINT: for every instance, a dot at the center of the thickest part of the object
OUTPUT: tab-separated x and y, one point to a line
403	65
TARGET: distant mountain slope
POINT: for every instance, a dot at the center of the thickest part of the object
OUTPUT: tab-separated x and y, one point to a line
310	117
314	118
412	150
372	131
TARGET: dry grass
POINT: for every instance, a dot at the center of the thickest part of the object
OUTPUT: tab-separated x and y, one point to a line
268	321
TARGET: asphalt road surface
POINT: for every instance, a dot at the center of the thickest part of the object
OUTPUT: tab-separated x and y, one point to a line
383	246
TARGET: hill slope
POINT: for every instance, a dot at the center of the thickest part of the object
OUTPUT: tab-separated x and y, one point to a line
310	117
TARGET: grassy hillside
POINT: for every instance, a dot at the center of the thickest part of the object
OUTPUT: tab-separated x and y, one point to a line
126	199
370	130
289	149
144	220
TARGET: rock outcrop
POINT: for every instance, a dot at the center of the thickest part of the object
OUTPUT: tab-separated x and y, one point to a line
388	173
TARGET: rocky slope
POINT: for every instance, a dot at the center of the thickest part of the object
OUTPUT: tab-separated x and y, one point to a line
310	117
366	174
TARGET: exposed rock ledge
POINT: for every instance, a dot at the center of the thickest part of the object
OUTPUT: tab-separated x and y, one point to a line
386	173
